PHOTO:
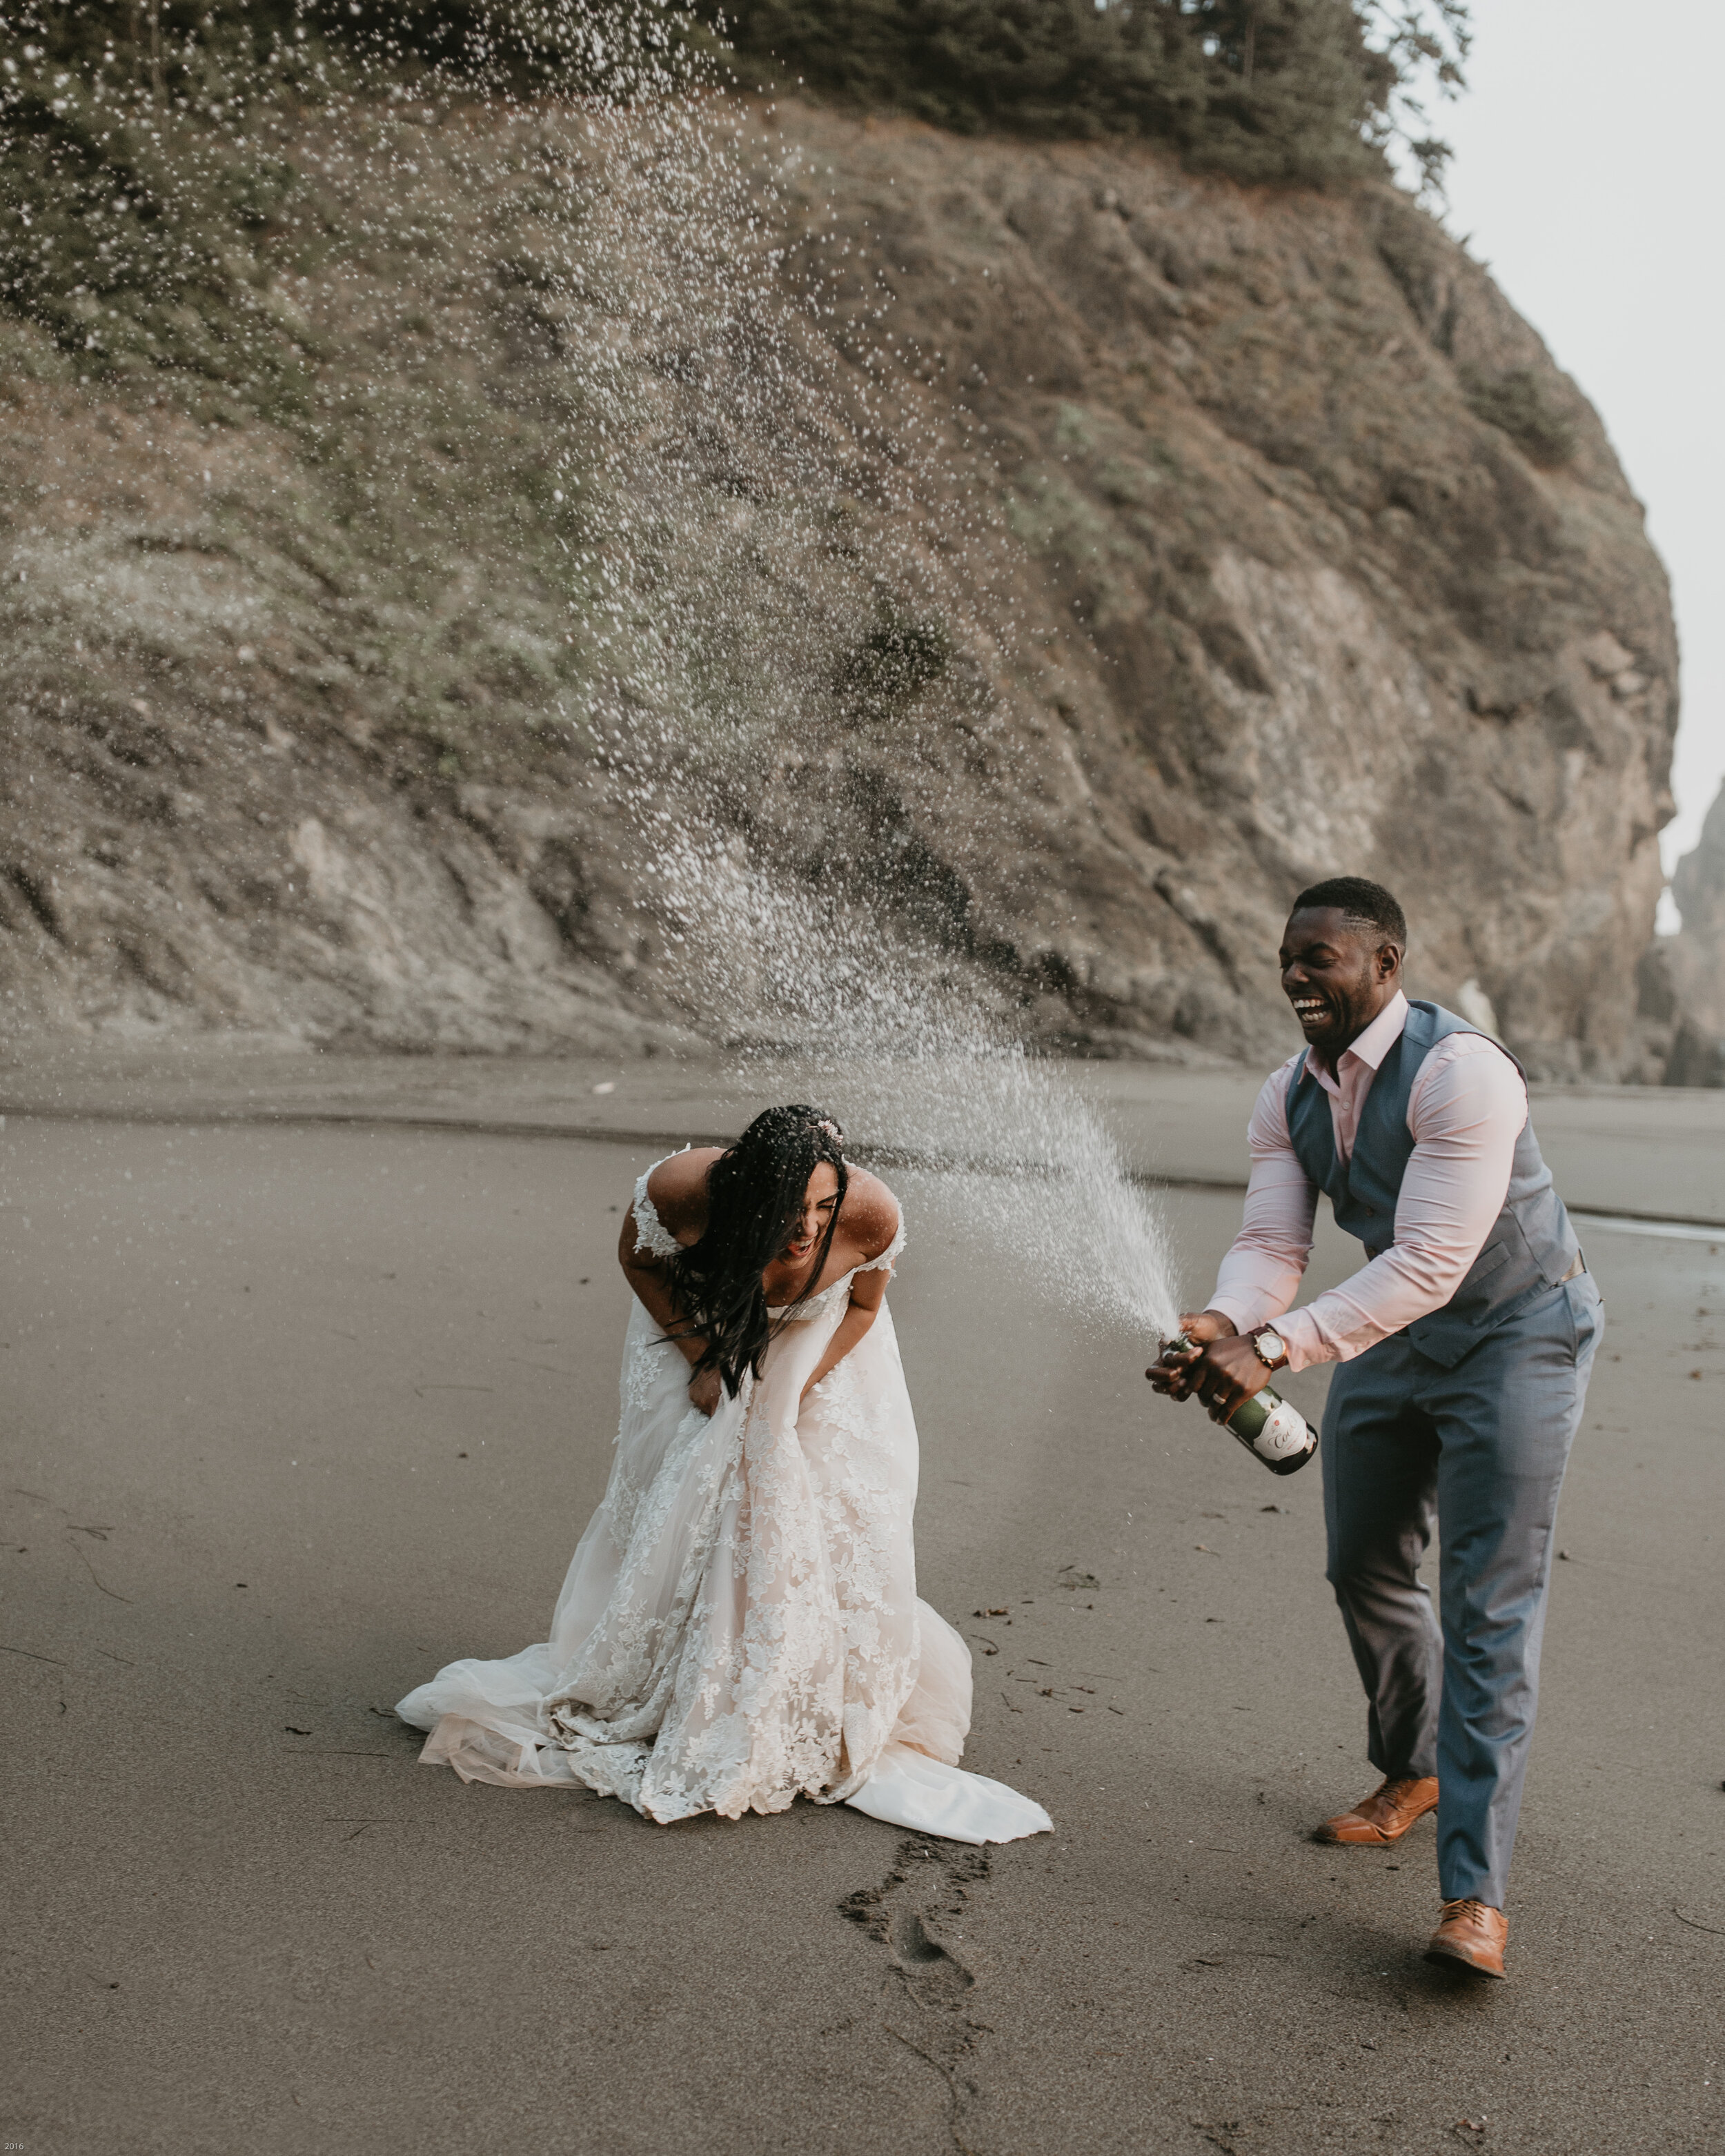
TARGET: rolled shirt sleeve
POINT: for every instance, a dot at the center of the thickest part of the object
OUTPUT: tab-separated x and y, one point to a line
1467	1109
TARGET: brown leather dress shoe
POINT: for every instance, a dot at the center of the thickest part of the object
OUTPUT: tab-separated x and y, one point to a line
1472	1933
1385	1815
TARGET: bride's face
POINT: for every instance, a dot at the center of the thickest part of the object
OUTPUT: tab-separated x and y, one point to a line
818	1200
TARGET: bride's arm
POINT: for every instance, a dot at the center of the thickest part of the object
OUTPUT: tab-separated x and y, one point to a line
868	1291
648	1276
678	1193
874	1226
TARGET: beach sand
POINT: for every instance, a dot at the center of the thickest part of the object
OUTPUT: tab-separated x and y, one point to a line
297	1410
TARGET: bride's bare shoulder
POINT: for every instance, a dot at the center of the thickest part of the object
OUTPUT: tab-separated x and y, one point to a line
678	1188
871	1212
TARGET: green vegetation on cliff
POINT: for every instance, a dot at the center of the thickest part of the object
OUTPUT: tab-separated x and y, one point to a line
1306	91
142	175
1277	90
151	200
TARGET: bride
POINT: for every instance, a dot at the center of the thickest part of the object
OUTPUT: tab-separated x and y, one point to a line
739	1626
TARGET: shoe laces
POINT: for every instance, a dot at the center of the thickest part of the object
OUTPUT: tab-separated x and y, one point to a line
1394	1787
1468	1907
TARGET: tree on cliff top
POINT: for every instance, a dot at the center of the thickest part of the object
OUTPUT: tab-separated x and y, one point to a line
1265	89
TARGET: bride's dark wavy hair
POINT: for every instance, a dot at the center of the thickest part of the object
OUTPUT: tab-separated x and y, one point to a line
755	1192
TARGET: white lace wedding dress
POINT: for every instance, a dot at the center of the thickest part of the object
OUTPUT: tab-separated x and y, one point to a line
739	1626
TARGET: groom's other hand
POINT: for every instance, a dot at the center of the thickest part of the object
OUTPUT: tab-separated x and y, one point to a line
1178	1372
1225	1375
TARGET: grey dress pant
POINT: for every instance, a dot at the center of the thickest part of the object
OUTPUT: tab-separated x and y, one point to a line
1480	1449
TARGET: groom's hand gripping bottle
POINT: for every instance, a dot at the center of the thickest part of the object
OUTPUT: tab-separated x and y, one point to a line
1270	1428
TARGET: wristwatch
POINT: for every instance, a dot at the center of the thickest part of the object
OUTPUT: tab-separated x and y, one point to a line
1269	1347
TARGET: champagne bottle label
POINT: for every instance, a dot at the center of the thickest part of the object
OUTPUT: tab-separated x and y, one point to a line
1280	1430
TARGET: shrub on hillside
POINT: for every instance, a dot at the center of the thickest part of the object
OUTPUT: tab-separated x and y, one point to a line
1281	90
1290	91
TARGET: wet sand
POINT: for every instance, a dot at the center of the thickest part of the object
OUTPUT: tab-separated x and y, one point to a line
368	1370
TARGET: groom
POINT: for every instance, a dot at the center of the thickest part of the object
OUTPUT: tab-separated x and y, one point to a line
1465	1341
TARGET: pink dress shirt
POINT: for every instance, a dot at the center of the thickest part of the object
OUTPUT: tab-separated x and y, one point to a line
1465	1112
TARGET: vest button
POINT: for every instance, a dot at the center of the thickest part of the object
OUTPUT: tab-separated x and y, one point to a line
1372	1210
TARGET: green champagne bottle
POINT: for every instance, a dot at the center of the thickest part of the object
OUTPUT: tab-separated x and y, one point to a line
1270	1428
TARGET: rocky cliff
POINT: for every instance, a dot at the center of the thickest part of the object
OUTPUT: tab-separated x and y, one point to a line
1682	977
1086	557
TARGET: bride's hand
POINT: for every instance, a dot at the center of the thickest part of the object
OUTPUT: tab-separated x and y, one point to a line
705	1388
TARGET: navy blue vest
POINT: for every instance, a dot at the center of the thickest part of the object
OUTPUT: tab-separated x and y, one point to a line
1532	1245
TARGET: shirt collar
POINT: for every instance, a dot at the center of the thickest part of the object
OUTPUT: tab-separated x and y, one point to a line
1375	1042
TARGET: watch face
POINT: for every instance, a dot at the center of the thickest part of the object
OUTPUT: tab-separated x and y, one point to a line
1271	1345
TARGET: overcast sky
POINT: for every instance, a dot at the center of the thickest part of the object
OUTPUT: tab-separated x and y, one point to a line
1586	170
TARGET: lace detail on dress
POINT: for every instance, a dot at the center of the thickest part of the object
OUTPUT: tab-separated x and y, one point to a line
643	1369
651	1233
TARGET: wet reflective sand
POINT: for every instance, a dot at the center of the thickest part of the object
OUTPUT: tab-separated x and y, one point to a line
296	1411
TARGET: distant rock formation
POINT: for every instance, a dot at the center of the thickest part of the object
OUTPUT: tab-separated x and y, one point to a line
1682	977
1314	561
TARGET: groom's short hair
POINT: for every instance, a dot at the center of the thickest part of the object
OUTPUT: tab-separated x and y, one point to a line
1368	906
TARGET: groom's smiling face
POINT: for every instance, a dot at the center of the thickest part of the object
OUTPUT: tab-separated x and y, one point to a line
1338	974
